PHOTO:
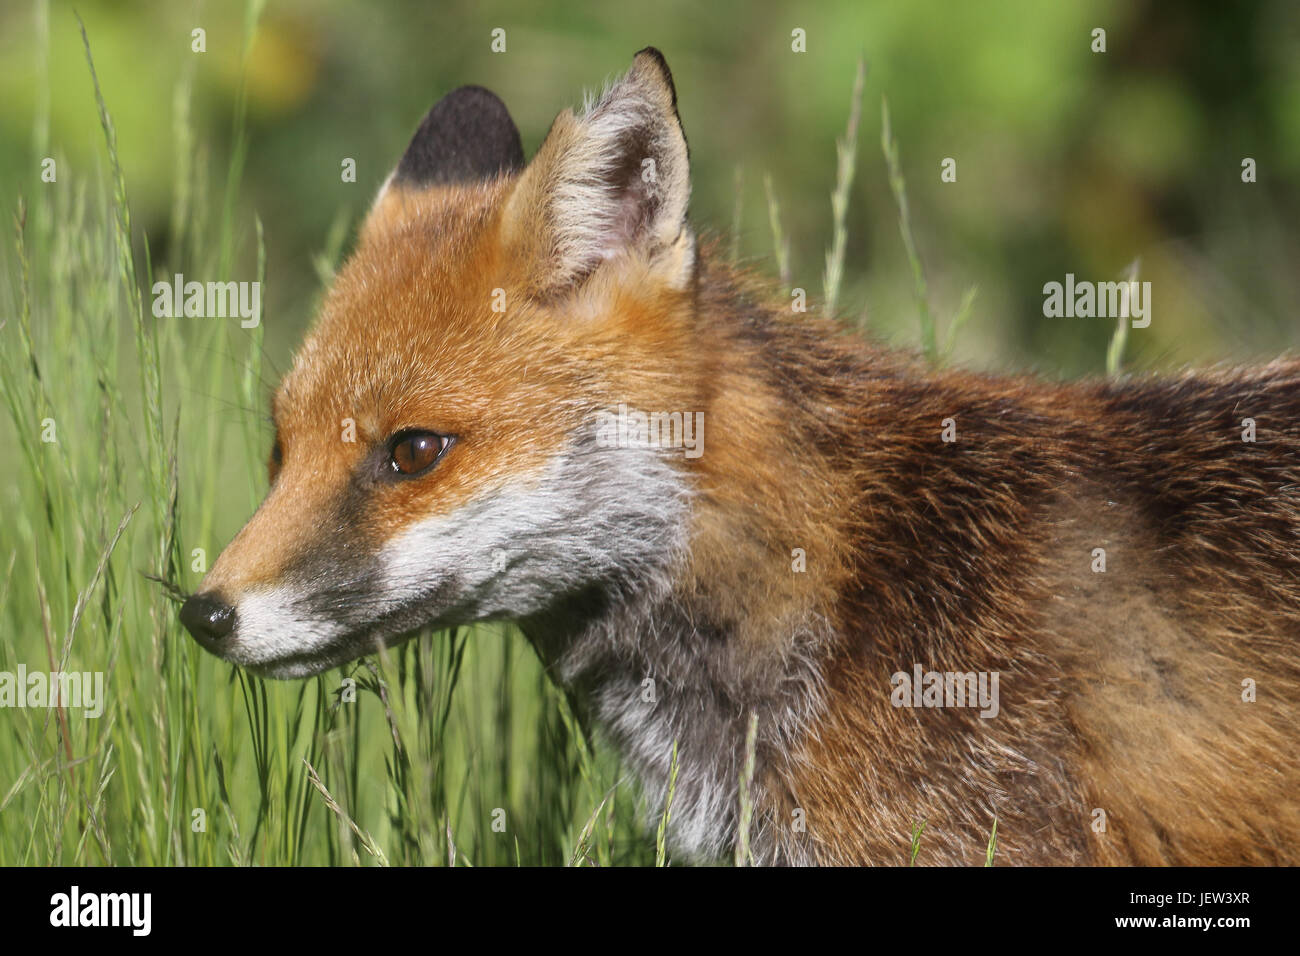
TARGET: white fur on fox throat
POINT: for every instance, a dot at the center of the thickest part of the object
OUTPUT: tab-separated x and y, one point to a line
591	514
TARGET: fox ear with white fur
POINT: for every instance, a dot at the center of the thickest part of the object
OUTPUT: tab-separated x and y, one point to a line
613	180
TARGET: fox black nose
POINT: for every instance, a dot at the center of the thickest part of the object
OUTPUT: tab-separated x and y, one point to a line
207	618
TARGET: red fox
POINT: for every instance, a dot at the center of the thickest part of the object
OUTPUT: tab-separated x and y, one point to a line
1072	609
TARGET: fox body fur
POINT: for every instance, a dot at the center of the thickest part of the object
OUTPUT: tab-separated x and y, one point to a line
825	539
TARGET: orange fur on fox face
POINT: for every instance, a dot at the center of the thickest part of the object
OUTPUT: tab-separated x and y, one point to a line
853	518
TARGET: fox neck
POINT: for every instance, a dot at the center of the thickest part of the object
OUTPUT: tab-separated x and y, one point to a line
731	626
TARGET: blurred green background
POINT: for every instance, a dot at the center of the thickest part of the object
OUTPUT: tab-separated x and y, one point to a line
1067	160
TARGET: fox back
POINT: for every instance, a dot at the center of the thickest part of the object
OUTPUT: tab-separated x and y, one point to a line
533	395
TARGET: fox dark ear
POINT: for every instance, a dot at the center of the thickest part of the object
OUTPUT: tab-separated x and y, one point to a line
612	180
466	137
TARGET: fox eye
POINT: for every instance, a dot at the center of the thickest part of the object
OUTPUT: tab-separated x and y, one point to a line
411	453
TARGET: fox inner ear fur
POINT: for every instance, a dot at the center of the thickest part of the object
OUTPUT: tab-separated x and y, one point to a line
613	180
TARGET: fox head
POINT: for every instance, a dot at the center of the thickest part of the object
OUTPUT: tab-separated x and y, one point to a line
437	457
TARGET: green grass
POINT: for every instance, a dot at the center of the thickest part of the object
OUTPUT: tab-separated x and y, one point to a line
920	289
846	162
